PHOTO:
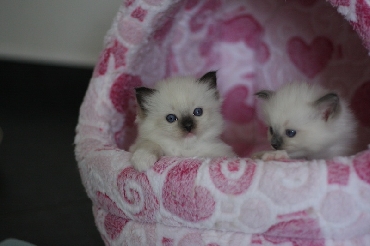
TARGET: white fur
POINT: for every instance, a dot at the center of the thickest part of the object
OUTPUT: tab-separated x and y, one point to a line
291	107
157	137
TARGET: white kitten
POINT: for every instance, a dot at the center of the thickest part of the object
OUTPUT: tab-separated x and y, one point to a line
307	121
180	117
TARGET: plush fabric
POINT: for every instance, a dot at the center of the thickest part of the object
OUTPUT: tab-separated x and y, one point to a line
253	45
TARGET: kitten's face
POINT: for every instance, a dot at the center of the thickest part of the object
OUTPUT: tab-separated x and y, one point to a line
299	137
181	109
298	117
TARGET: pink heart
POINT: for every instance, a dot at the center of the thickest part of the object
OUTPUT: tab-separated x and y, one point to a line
312	58
242	28
182	197
122	91
234	107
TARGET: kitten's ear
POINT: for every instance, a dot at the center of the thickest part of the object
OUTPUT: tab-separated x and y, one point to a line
328	105
264	94
142	93
209	78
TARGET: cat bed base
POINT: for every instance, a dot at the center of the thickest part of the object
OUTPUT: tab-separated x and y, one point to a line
237	201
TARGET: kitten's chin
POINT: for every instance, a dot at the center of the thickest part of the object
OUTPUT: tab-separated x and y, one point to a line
189	135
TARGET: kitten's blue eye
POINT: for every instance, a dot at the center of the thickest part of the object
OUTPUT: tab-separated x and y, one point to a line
271	131
290	133
171	118
198	112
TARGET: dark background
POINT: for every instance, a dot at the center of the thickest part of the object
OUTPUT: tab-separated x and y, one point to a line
42	200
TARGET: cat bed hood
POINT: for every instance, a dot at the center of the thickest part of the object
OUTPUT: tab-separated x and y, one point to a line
254	45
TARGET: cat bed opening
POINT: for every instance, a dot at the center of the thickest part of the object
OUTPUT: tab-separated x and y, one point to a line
237	201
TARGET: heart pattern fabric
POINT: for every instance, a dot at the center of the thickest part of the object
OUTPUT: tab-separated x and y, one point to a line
311	58
253	45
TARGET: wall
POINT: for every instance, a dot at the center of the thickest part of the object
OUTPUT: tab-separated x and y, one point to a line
55	31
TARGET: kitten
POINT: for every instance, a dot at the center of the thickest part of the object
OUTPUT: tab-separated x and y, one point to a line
180	117
307	121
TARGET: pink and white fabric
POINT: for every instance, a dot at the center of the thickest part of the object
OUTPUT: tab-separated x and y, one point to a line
237	201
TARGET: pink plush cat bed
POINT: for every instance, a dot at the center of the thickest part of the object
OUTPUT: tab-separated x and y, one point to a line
254	45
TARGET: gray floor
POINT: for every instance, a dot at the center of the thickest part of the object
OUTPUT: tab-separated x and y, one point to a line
42	200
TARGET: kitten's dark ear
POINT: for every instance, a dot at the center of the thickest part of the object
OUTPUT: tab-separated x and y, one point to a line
328	105
264	94
209	78
142	93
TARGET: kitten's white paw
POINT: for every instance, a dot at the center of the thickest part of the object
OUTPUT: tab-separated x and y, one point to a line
143	159
271	155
